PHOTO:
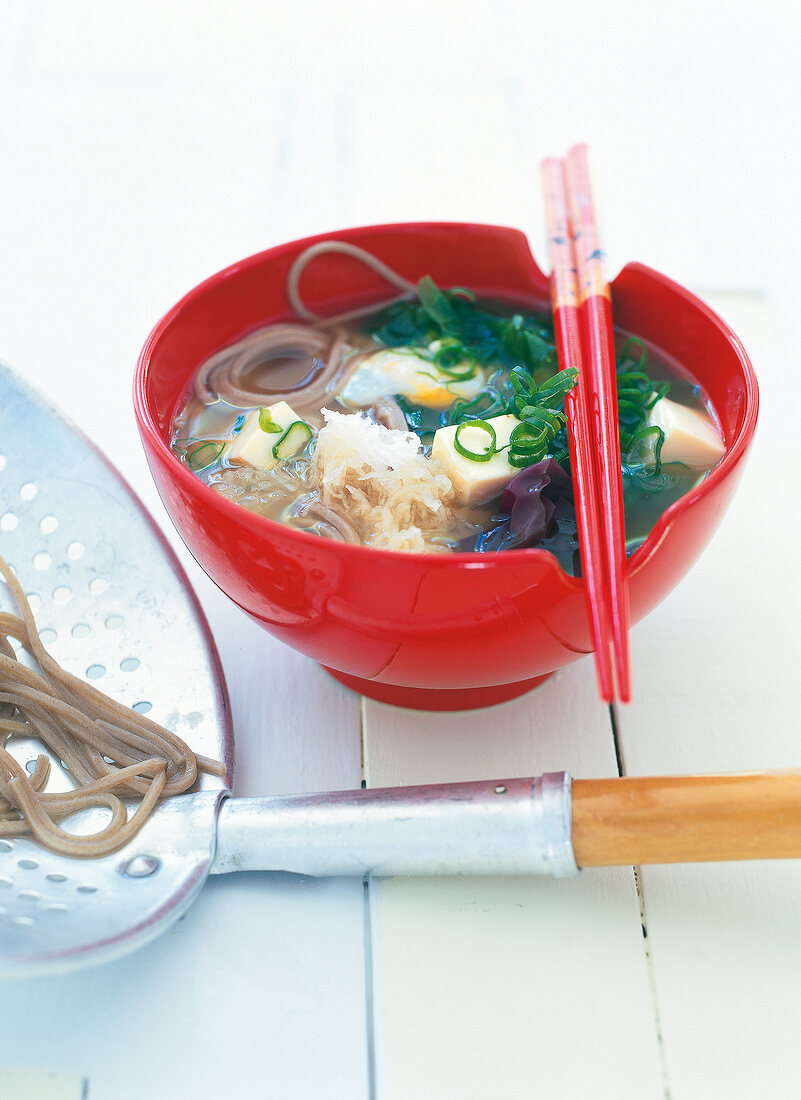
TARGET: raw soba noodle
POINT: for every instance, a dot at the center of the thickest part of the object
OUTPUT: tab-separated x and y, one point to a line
85	730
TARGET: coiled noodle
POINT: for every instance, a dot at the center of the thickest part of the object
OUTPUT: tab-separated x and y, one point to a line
110	751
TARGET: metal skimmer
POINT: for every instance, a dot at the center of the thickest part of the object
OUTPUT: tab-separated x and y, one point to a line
114	606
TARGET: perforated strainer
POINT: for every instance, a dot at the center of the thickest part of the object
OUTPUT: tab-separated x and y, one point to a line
115	607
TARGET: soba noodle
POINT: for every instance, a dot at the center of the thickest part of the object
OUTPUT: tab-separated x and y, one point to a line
110	751
233	374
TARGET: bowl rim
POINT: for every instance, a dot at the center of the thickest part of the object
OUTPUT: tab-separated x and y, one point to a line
152	435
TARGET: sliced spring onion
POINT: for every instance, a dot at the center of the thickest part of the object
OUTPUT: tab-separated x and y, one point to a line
488	403
528	443
522	381
540	418
203	455
476	456
645	449
296	436
641	354
266	422
555	387
657	395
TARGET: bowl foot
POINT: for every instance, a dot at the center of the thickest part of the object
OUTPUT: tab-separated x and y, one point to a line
437	698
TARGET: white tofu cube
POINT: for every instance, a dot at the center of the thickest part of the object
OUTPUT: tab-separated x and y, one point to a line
476	482
690	436
254	447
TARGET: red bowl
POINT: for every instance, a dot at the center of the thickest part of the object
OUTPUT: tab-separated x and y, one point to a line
436	631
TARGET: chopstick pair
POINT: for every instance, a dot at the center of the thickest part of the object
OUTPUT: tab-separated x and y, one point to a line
582	312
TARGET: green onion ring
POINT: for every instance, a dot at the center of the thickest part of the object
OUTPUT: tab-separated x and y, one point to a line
195	458
475	456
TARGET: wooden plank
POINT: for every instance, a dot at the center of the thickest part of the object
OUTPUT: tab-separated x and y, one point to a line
32	1084
263	970
716	669
512	987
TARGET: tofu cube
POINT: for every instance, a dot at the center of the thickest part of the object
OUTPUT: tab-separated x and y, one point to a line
690	436
476	482
252	446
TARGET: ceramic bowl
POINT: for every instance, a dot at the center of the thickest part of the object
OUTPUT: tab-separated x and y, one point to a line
434	631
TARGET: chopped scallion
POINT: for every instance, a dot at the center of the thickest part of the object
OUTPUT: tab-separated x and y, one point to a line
266	422
476	456
203	455
296	436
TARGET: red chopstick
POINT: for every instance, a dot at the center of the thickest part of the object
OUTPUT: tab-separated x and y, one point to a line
567	328
595	312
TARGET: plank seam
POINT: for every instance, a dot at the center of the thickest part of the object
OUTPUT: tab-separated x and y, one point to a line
649	964
369	999
638	889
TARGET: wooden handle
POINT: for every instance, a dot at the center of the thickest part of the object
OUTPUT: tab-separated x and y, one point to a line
687	819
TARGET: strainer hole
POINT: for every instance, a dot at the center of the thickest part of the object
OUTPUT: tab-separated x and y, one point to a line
56	876
130	664
24	921
47	635
80	630
143	707
30	767
96	672
62	594
29	895
115	622
75	550
27	864
34	599
98	586
56	907
6	846
42	560
28	491
5	883
87	888
8	521
48	524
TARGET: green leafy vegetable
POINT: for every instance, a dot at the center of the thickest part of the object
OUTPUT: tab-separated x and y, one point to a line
436	303
464	330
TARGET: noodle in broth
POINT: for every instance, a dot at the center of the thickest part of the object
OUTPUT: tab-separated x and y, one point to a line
319	368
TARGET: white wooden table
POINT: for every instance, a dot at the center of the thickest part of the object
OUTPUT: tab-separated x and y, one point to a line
145	145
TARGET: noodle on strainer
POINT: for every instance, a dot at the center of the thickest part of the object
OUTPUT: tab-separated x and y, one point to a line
84	729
